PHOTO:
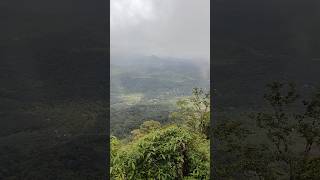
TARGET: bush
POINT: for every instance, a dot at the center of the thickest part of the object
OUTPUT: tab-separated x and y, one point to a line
171	152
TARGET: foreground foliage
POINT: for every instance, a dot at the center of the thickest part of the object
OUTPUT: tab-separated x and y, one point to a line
175	151
169	153
282	142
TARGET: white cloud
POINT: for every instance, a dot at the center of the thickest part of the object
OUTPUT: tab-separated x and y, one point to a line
179	28
126	13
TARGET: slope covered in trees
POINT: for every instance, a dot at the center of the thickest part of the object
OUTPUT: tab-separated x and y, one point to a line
178	150
147	87
281	141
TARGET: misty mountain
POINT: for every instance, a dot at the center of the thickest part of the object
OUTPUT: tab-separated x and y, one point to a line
155	76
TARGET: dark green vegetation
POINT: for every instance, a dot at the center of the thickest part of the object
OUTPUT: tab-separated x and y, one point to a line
174	144
53	89
280	142
178	150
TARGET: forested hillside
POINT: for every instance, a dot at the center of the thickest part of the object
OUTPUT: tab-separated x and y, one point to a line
175	150
147	87
157	130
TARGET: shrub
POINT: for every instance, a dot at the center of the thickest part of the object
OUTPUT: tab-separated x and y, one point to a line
171	152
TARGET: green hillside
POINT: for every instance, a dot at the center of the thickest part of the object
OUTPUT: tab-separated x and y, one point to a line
147	87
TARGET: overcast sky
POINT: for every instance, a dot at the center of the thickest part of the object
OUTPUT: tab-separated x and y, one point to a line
175	28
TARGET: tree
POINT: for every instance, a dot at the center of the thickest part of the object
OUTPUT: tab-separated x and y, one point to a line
285	140
279	125
171	152
194	112
145	128
309	123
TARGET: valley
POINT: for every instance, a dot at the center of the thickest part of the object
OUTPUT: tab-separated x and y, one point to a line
148	87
